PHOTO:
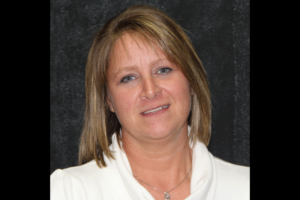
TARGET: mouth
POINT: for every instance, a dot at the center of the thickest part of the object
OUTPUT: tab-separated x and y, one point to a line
156	109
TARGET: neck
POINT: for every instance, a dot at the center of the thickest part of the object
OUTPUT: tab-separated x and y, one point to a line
163	162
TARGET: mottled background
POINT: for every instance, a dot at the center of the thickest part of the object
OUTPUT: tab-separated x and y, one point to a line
220	32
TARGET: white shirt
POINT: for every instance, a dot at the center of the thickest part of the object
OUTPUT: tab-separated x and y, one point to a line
212	179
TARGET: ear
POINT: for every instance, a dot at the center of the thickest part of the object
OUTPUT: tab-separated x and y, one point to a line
192	91
110	105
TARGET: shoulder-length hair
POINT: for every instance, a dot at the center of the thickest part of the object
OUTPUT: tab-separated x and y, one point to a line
155	26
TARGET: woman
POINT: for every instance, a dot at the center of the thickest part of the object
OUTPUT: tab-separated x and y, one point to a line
147	119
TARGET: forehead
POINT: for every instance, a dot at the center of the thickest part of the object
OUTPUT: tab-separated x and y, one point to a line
133	48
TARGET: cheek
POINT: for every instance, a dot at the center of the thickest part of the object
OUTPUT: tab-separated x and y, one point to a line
182	96
128	105
124	101
181	89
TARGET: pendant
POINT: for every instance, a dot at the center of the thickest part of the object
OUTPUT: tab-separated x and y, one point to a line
167	196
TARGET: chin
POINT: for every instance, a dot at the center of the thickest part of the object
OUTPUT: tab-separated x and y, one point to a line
160	132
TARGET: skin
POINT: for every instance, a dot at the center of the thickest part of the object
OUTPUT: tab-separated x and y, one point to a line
156	144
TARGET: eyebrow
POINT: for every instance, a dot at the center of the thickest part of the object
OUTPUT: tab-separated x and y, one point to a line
128	68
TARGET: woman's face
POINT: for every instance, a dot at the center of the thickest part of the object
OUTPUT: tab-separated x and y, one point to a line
149	95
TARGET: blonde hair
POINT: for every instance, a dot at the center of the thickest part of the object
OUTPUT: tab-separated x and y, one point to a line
154	25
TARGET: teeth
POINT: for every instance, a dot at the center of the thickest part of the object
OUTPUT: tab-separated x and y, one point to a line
156	109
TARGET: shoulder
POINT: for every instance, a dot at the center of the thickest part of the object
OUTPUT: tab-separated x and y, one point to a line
233	180
80	173
226	169
81	182
64	185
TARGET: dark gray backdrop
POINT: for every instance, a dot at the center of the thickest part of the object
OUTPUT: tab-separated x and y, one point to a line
220	33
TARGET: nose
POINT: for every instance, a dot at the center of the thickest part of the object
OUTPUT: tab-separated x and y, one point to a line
150	89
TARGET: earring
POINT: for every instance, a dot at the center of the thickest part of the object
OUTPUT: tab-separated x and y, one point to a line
112	109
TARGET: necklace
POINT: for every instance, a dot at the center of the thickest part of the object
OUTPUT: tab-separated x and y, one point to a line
167	195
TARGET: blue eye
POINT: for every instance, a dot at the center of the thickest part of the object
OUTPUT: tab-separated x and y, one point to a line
164	70
127	79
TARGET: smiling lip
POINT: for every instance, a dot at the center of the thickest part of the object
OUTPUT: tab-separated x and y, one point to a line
154	110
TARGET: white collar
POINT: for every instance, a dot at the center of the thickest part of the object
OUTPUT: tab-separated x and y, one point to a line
203	181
